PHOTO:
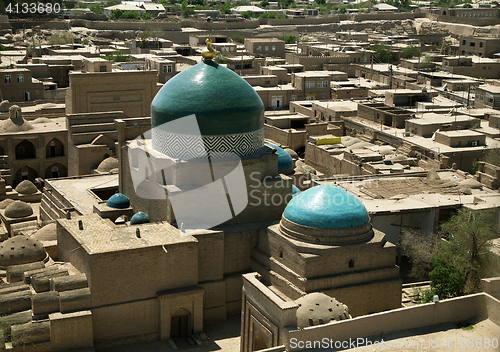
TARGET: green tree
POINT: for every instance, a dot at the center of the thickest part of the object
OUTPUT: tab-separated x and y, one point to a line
281	16
238	38
145	16
118	56
220	58
410	51
116	14
247	14
383	53
289	39
463	254
95	8
185	10
264	3
427	62
342	10
60	38
130	15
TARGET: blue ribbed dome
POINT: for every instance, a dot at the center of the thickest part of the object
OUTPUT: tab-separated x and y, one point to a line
285	162
118	201
139	218
326	207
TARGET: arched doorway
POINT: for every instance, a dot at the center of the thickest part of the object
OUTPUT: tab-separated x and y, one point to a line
54	148
55	171
180	324
25	150
26	173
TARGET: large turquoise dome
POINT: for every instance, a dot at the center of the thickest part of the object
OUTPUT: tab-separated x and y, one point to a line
229	113
285	162
326	207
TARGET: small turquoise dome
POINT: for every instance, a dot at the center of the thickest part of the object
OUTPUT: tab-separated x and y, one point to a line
139	218
326	207
118	201
295	190
285	162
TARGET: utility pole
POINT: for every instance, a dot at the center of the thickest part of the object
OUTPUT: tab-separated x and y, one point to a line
390	76
468	96
371	67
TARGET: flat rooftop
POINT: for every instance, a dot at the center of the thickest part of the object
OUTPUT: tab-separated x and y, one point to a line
461	133
434	119
79	193
313	74
397	193
490	88
100	236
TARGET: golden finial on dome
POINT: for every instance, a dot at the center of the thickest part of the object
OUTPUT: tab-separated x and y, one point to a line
208	53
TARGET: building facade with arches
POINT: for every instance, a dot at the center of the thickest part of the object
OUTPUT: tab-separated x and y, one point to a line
32	149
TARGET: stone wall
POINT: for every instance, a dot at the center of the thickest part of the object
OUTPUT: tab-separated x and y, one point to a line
478	306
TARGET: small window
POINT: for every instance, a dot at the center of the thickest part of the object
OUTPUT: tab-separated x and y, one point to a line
351	263
167	69
20	78
472	44
8	78
480	44
102	68
259	48
463	42
266	48
274	47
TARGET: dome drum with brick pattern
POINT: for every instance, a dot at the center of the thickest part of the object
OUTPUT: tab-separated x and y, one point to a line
229	114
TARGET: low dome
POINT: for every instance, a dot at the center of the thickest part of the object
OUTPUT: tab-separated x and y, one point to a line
41	120
472	184
317	308
18	209
46	233
6	202
139	218
326	207
285	162
26	187
292	153
108	164
21	250
118	201
16	123
351	141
